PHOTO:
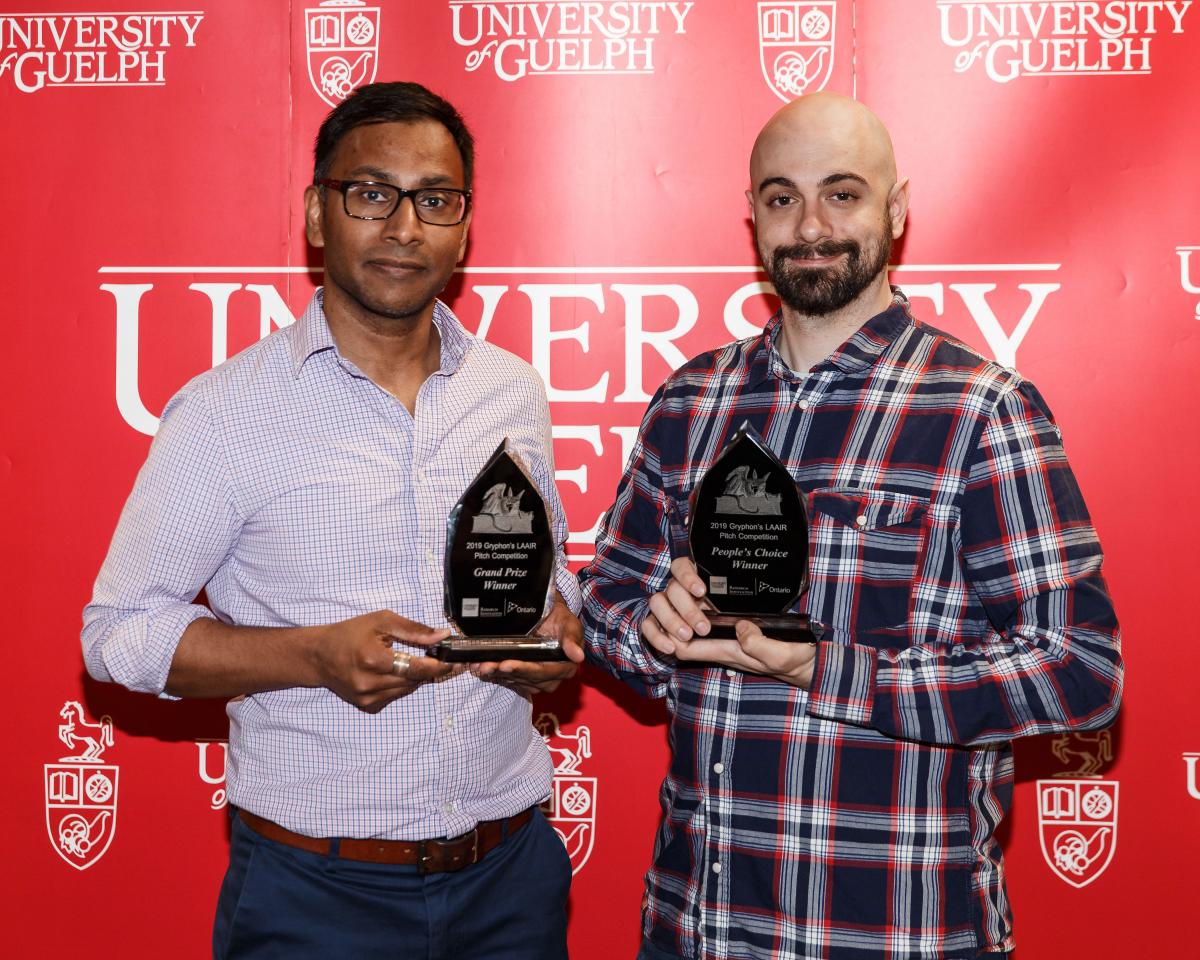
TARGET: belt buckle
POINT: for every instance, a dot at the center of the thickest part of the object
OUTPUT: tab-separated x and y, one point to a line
424	857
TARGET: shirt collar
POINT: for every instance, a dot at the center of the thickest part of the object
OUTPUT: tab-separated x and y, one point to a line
859	352
310	335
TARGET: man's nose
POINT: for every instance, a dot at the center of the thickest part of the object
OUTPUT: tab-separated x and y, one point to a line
813	225
404	225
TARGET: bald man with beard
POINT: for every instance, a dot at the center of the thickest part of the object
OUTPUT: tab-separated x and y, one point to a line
840	800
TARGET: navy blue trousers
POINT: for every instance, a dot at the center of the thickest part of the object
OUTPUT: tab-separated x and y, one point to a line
277	901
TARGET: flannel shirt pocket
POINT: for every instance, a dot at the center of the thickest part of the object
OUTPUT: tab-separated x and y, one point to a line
867	545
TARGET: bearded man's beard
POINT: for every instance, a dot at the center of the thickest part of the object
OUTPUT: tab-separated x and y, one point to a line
817	291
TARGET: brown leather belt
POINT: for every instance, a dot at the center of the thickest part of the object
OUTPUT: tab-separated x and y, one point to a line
430	856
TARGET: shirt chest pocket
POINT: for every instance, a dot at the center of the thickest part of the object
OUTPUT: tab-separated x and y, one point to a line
866	547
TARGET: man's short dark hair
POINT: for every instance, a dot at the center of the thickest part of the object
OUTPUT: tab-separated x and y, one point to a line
391	103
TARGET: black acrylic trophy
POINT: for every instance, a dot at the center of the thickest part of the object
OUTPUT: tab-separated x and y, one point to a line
499	566
748	536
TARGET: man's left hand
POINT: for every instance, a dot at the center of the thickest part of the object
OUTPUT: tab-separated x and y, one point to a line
527	678
750	652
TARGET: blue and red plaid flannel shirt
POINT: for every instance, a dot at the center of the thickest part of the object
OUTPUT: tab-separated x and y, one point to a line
954	562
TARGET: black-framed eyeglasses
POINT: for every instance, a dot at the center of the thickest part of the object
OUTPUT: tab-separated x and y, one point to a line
370	200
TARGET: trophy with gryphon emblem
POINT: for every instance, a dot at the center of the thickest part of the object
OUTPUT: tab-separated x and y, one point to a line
499	567
748	536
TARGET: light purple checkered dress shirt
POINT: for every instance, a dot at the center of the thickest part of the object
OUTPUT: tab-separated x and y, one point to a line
300	493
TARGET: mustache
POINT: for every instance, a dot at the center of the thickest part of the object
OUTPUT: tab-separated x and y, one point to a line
813	251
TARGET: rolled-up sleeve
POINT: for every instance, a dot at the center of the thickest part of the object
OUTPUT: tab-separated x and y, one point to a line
176	530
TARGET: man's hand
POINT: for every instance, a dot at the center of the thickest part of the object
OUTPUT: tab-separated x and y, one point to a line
528	678
677	626
356	660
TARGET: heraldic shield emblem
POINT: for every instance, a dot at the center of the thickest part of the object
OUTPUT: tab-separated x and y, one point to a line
1077	823
342	37
795	46
81	791
571	808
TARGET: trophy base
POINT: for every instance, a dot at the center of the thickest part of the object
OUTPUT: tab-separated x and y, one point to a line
793	627
494	649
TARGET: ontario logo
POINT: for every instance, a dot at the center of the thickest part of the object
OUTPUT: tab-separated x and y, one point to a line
796	46
571	808
342	39
1056	38
101	49
81	790
565	36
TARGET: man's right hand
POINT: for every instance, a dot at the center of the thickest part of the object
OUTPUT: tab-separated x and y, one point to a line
356	659
677	613
677	625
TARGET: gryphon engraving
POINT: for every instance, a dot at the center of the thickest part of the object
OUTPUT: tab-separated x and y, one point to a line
746	494
502	513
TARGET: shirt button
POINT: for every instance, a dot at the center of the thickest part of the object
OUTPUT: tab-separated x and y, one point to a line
430	557
448	806
731	673
449	723
718	767
861	520
717	867
803	404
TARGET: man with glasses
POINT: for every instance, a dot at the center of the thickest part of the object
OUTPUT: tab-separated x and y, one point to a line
386	802
841	799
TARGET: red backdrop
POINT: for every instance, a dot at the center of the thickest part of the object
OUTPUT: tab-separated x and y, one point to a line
153	168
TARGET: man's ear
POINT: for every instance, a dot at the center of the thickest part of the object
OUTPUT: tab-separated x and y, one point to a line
462	246
313	214
750	204
898	207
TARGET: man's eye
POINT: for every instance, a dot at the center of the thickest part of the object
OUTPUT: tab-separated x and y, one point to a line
368	193
843	196
780	200
434	200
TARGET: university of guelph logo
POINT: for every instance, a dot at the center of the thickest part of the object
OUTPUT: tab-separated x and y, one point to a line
81	792
1077	822
795	45
571	808
342	37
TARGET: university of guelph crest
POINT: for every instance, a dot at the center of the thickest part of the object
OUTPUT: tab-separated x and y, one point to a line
571	808
342	38
81	791
1077	824
795	45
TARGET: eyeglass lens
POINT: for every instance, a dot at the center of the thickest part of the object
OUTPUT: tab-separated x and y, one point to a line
379	201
